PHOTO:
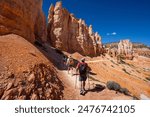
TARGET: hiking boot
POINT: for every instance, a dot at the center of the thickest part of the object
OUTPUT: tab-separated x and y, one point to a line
81	92
84	91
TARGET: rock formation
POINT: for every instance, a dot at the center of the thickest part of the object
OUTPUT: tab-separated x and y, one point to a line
24	18
125	47
70	34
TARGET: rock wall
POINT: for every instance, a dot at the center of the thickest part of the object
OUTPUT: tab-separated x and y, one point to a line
24	18
70	34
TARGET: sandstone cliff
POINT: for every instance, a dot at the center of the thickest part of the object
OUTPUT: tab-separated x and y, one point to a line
70	34
24	18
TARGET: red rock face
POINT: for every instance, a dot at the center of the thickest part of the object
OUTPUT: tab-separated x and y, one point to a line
24	18
70	34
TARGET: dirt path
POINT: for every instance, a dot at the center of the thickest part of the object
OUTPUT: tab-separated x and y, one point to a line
96	61
101	93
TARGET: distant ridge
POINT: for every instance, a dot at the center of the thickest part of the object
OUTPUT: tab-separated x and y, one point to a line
135	45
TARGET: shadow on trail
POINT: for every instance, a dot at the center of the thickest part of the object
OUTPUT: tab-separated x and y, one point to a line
97	88
92	73
52	54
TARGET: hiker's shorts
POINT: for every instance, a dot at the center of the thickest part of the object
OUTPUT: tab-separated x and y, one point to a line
82	78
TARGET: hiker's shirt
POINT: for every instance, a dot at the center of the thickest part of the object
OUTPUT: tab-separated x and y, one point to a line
78	67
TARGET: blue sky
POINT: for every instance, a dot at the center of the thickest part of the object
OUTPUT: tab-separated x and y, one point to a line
113	19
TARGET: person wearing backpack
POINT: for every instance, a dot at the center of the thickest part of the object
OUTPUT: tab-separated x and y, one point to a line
82	68
64	59
70	63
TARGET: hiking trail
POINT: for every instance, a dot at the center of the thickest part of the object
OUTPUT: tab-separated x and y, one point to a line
70	81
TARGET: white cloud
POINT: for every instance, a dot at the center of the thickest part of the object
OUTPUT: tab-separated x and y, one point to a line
113	33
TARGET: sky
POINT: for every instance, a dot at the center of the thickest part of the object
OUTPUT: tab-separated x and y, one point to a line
114	20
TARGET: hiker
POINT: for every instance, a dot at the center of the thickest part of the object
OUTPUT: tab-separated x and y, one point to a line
82	67
64	59
70	63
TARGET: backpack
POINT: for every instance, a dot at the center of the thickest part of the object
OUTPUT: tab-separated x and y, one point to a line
82	68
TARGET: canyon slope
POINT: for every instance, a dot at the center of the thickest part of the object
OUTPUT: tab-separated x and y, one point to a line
25	73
